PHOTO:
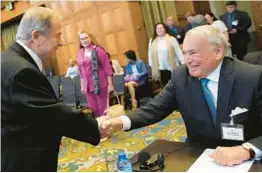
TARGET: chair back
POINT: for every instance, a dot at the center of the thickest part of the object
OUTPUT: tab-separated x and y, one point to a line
55	83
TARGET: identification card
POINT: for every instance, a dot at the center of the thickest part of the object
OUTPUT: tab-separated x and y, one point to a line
235	23
232	132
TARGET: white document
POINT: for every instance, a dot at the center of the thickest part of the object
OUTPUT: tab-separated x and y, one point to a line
205	164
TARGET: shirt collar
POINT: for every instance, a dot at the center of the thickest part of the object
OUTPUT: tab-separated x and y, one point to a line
214	76
34	56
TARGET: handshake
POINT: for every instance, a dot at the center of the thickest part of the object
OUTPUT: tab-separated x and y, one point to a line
108	125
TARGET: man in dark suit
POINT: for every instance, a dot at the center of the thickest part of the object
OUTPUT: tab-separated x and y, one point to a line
175	30
208	90
33	120
237	23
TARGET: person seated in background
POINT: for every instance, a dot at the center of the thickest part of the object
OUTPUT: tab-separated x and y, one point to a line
175	30
116	67
189	17
220	25
72	70
136	74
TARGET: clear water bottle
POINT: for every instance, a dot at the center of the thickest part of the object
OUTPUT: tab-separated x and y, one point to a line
123	163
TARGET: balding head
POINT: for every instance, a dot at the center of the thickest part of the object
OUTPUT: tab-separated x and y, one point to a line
40	30
37	18
204	48
198	20
170	21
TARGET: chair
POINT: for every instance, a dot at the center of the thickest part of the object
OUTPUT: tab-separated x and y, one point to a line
55	83
69	93
119	85
80	95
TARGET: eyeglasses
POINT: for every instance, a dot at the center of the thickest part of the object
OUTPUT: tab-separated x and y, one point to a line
84	38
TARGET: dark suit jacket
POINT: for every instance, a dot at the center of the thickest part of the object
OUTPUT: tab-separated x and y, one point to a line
180	35
240	85
244	22
33	120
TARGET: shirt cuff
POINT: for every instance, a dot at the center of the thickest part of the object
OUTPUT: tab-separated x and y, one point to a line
256	150
126	122
98	123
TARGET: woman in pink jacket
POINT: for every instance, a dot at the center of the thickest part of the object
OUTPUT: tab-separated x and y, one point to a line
95	73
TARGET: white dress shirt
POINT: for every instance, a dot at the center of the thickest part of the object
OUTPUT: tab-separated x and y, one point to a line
33	55
213	87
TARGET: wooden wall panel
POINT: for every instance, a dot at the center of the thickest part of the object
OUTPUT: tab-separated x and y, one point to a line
19	9
108	22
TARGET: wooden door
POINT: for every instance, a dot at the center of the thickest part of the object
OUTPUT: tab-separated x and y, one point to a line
257	13
116	29
201	7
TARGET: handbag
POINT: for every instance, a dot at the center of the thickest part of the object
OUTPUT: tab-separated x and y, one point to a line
115	110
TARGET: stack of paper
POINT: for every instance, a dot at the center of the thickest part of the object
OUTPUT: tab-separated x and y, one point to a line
205	164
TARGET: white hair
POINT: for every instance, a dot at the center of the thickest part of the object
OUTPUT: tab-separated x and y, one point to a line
215	37
35	19
198	20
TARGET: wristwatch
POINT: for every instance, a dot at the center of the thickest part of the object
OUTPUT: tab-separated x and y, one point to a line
250	150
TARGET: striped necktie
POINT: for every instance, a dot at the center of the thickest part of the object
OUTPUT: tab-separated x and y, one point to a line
209	98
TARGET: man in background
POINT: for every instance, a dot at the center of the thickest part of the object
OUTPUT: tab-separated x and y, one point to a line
33	120
237	23
175	30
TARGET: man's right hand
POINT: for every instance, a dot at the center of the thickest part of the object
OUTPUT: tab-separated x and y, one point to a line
110	125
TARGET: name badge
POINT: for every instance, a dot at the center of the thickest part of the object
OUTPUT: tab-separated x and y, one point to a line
235	23
232	132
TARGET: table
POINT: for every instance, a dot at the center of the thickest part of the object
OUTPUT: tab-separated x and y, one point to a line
180	156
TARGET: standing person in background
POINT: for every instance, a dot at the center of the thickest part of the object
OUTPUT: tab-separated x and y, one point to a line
237	23
175	30
95	73
72	70
189	17
220	25
164	53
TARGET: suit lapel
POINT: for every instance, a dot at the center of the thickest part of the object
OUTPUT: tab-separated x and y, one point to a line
225	86
200	104
23	53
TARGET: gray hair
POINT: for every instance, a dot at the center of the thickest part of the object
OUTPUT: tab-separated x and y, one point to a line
198	20
36	18
215	37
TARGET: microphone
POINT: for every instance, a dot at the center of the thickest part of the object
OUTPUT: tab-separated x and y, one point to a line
143	157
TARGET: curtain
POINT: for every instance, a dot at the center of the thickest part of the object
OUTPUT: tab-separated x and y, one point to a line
8	33
157	11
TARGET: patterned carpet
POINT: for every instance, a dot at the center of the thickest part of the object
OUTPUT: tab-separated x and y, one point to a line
76	156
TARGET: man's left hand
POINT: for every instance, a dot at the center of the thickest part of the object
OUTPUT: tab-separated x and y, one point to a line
229	156
233	31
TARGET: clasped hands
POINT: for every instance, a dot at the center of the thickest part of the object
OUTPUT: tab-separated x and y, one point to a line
108	125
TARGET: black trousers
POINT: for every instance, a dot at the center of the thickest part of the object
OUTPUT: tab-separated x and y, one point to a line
165	76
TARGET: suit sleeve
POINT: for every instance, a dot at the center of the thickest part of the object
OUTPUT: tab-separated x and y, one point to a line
246	22
156	110
257	142
33	97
